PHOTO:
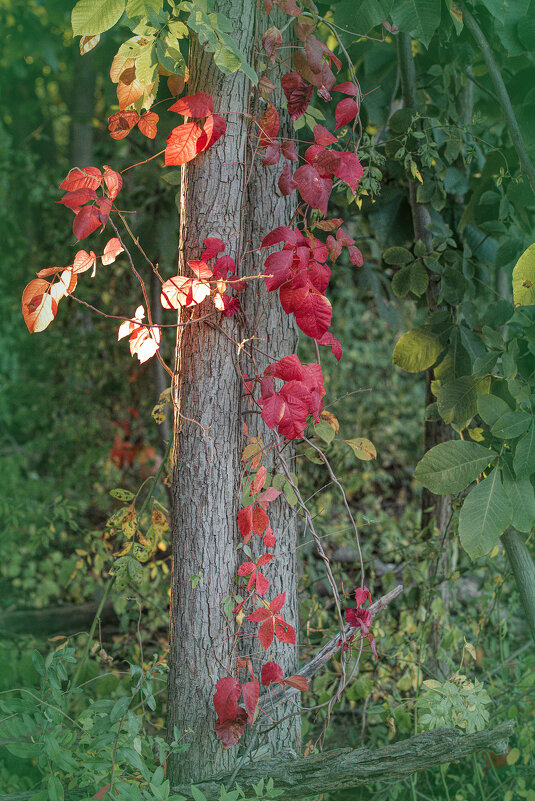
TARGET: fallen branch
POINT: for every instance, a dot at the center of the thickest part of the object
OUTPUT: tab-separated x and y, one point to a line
67	619
275	694
344	768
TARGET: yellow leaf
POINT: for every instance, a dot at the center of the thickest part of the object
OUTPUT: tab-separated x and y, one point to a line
363	448
513	756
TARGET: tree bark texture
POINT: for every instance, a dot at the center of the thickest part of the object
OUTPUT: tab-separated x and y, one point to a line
344	768
223	196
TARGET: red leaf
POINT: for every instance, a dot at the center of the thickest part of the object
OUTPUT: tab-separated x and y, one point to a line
266	632
213	129
280	234
251	693
271	41
245	522
289	7
230	731
345	111
314	314
362	594
246	568
260	520
223	266
259	615
258	481
198	105
283	631
182	144
269	538
303	27
113	181
212	246
200	268
333	343
104	208
49	271
148	124
81	177
299	682
111	251
296	408
355	256
268	125
288	150
286	181
325	161
261	583
271	672
350	169
75	200
101	794
86	221
277	603
314	189
323	137
231	718
347	88
175	84
278	265
181	291
272	155
298	94
268	6
265	559
314	53
273	410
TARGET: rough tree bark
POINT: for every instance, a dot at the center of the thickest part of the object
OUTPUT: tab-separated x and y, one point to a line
220	196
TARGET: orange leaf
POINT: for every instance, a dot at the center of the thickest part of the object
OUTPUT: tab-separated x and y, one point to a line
182	144
38	307
129	89
147	124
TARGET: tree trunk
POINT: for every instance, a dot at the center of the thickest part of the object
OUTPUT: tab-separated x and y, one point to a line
523	571
219	197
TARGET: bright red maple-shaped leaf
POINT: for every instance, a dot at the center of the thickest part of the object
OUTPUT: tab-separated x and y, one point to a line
298	94
268	125
148	124
79	177
198	105
182	144
231	718
272	623
333	343
345	111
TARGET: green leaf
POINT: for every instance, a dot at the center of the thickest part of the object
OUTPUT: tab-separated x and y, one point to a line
524	458
490	408
147	65
420	18
522	497
122	495
511	424
369	13
485	514
55	789
197	794
417	350
139	8
401	282
363	448
397	256
419	278
324	431
524	279
95	16
457	400
456	361
451	466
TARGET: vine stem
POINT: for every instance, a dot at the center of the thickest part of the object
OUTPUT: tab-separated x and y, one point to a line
502	94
